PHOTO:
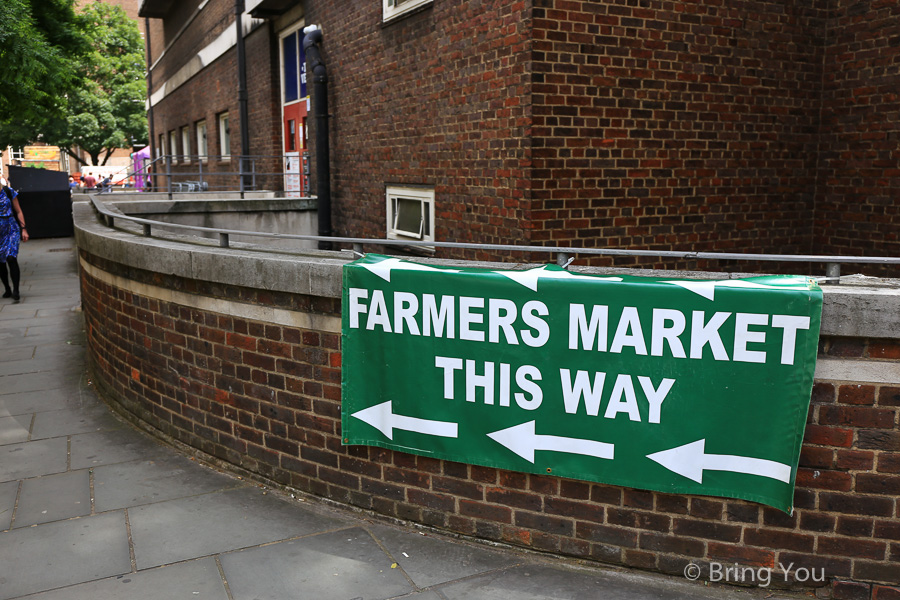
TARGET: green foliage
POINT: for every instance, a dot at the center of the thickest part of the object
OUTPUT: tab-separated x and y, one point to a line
71	79
36	39
108	110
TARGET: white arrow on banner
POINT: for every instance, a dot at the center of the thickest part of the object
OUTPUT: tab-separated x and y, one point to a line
523	440
691	460
530	277
383	268
382	417
707	289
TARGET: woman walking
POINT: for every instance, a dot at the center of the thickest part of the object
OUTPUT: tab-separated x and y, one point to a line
12	229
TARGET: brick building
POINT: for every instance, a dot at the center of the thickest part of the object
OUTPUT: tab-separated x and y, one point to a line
755	126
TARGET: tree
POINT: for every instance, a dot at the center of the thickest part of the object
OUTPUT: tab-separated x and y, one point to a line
37	39
71	79
107	107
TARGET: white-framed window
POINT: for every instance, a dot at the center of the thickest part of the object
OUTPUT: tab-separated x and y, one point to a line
201	140
161	147
395	8
16	153
186	144
224	137
410	213
173	146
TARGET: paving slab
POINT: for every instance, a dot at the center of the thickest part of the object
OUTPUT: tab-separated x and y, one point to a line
142	482
54	498
34	298
36	335
44	400
21	360
14	429
8	332
542	580
194	580
340	564
8	492
63	553
71	421
8	354
28	363
114	446
70	350
57	311
33	459
429	560
64	377
46	334
187	528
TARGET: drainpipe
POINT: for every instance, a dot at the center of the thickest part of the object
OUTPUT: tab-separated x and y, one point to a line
242	89
311	43
151	132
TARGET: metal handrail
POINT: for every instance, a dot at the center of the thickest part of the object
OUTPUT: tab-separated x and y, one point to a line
564	253
169	173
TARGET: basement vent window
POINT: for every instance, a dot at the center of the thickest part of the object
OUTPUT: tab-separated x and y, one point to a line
396	8
410	213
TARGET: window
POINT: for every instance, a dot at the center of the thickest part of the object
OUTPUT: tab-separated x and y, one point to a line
173	146
186	144
293	65
410	213
16	153
292	135
224	137
201	140
395	8
161	146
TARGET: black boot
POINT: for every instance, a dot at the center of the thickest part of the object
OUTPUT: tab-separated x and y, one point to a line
13	264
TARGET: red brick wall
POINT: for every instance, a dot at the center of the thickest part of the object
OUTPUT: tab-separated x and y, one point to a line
437	98
180	46
858	199
213	91
266	398
664	126
752	126
676	125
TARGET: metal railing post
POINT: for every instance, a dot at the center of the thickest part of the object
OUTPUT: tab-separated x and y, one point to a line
241	174
169	175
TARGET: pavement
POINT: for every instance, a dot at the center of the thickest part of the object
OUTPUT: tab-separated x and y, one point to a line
92	508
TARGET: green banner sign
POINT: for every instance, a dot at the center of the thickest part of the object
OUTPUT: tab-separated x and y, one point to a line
674	385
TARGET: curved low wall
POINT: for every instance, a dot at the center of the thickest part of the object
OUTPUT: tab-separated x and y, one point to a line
238	354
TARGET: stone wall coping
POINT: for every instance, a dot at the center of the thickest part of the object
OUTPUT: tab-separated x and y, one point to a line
210	205
860	306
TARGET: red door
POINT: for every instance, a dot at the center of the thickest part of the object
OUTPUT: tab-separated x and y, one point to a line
294	147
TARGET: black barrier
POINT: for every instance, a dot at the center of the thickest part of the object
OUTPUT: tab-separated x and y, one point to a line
45	199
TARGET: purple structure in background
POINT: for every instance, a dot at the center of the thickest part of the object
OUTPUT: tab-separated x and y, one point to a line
140	162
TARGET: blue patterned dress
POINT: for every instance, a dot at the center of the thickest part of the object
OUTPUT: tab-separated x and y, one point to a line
9	226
